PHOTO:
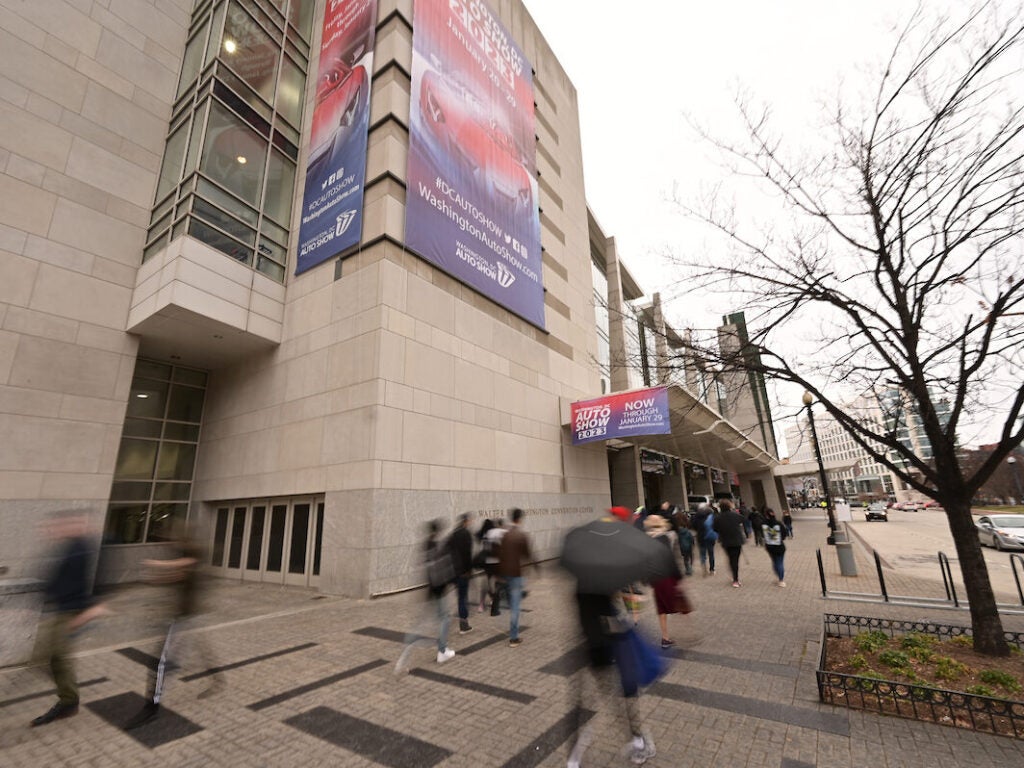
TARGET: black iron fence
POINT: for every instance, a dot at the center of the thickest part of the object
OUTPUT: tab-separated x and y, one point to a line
919	702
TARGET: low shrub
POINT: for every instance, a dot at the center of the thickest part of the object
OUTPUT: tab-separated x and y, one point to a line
949	669
871	641
1000	678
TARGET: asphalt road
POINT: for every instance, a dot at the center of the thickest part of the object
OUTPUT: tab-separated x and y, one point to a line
910	542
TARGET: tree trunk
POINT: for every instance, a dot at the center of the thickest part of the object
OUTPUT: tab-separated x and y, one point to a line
985	621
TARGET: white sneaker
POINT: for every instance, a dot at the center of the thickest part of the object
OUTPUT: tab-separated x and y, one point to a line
402	665
641	750
443	656
782	583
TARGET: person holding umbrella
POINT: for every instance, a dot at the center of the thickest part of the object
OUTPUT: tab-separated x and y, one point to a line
606	556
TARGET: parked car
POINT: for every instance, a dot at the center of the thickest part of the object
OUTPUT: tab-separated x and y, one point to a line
932	504
1001	531
908	506
877	511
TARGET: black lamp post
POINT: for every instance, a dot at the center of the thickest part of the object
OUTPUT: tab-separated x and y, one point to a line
1012	461
808	399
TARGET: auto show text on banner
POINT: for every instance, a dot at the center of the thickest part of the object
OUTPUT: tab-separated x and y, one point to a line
640	412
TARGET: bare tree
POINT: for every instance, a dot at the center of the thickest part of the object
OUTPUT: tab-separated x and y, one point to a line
905	261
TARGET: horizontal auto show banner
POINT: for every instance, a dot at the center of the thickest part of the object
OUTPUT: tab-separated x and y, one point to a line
471	200
640	412
332	202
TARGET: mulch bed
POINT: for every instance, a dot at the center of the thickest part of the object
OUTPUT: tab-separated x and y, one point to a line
907	665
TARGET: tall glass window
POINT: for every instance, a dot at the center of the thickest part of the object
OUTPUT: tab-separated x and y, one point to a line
228	173
153	475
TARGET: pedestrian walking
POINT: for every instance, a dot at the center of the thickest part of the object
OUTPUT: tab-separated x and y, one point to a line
685	537
774	533
756	521
440	574
729	526
182	573
460	545
787	520
665	588
68	605
703	524
514	553
492	543
482	559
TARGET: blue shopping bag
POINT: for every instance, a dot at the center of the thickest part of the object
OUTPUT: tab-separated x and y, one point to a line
640	662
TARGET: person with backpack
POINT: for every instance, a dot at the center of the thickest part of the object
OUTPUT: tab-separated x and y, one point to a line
492	543
460	545
703	522
774	534
757	520
440	574
685	536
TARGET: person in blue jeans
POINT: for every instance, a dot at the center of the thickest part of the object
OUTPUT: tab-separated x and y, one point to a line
440	574
513	554
703	521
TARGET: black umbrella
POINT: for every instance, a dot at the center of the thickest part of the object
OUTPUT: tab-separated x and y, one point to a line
609	555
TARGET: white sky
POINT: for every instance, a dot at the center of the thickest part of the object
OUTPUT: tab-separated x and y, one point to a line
640	68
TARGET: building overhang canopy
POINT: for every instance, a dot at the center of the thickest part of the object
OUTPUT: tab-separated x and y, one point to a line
700	435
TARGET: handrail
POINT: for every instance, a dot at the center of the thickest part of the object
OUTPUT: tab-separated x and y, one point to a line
881	576
821	575
1014	558
948	583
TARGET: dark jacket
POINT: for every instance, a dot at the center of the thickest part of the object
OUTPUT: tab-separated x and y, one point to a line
515	550
729	525
67	589
460	544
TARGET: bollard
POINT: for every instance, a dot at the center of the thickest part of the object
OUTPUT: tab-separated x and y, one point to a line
847	565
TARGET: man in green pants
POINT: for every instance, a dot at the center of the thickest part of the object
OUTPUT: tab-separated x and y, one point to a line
69	605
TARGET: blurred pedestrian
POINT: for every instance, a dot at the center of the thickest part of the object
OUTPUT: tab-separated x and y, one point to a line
460	545
703	524
440	574
685	536
181	572
665	588
68	606
514	553
492	542
774	533
482	559
729	526
757	520
787	520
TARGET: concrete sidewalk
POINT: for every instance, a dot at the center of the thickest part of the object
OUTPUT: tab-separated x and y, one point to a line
310	682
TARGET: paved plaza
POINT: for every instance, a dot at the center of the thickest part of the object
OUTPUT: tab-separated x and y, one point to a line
310	682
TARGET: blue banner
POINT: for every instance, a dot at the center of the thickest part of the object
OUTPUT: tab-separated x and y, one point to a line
332	202
471	197
640	412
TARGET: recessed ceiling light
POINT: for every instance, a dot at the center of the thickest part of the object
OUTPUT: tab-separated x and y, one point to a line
241	160
142	395
230	45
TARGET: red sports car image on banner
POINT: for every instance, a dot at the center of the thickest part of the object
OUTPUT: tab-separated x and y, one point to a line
462	127
341	96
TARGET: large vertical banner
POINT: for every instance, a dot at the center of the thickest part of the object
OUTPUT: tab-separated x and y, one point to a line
471	200
332	202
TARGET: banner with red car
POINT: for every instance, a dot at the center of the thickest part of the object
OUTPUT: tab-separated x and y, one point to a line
332	202
471	197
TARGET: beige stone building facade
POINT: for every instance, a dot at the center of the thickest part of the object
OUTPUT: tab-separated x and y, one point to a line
159	358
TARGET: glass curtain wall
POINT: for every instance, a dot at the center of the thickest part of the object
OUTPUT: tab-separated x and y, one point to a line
153	476
228	172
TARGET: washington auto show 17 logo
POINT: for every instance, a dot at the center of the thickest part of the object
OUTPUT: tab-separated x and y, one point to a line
344	221
505	276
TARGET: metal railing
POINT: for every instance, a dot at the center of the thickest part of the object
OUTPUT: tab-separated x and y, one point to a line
919	702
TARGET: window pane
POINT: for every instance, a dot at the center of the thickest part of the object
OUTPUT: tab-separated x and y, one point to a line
147	369
166	522
177	461
136	459
280	188
172	491
275	548
300	534
252	560
186	404
250	52
220	241
170	169
148	398
271	269
229	203
141	428
237	531
186	432
192	60
221	220
130	491
196	139
125	524
318	543
291	93
234	154
220	530
215	36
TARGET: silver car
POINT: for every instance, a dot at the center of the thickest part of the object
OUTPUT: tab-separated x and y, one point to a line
1001	531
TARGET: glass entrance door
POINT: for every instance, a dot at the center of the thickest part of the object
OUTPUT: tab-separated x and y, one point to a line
277	541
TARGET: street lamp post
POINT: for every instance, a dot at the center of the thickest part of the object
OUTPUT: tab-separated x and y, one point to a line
808	400
1012	461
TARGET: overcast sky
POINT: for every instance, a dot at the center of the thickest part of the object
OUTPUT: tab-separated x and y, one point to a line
641	68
